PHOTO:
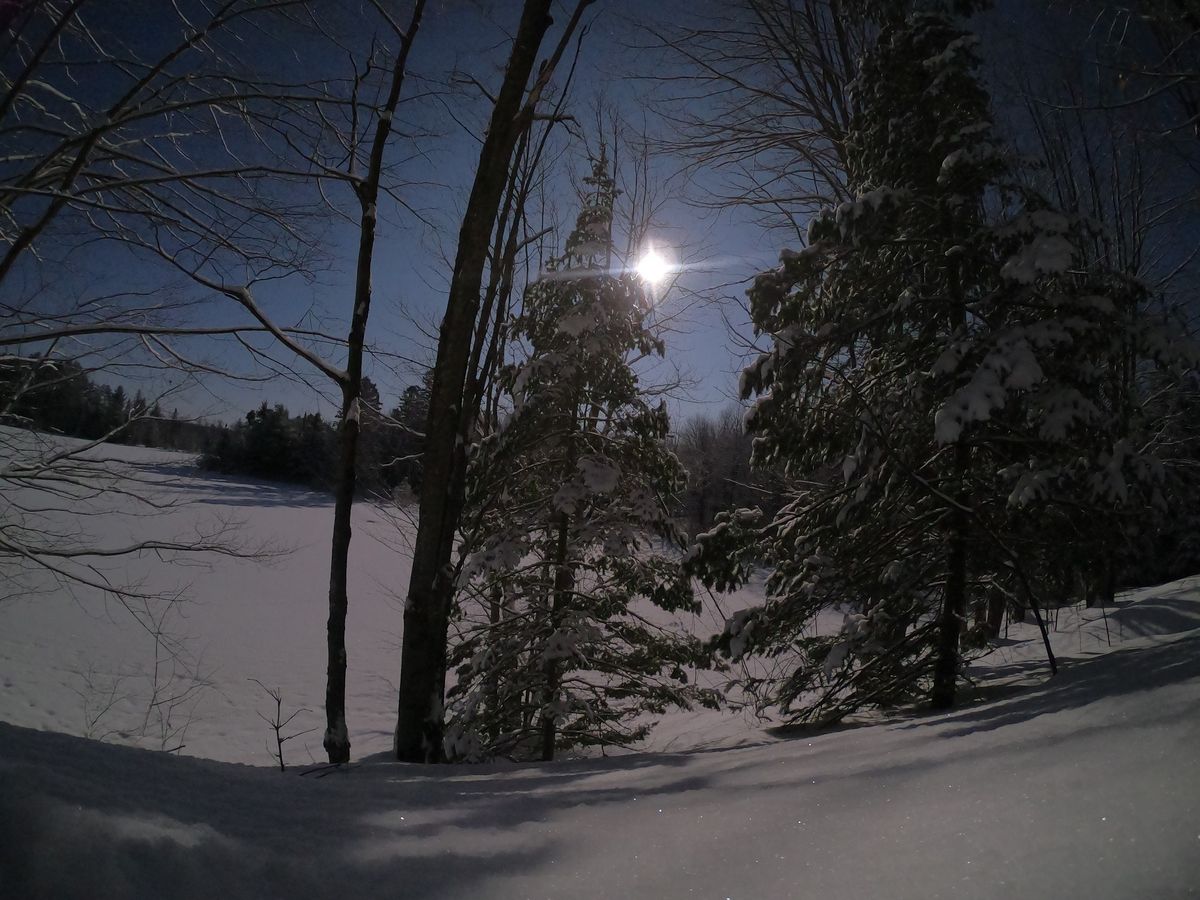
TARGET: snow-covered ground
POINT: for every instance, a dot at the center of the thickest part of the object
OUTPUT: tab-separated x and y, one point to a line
1087	785
80	663
65	656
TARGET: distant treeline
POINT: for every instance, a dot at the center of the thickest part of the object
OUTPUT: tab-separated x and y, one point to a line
270	443
59	396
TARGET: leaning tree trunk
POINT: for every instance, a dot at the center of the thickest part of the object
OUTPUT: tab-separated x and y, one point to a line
337	738
418	735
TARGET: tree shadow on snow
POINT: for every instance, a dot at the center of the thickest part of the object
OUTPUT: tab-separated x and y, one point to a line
1169	613
226	490
1078	683
83	819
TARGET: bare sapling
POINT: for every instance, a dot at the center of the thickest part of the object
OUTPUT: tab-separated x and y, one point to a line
279	724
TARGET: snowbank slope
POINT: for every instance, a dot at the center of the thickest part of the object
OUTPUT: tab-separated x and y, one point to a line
1087	787
1084	785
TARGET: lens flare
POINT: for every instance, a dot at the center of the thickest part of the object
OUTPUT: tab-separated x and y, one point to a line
653	268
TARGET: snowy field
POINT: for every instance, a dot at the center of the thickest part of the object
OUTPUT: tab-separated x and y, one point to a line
78	663
1084	786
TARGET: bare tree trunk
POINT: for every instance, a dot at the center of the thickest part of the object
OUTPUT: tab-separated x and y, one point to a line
418	735
564	583
954	601
337	739
1041	624
496	725
996	604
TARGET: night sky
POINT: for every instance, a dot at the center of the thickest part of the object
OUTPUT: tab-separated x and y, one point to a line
721	252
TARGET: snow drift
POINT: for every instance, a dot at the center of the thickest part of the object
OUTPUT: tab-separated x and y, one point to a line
1081	785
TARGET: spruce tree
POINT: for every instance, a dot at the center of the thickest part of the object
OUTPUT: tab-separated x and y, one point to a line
937	385
569	541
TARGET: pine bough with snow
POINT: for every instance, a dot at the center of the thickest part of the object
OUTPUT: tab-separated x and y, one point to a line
954	387
568	540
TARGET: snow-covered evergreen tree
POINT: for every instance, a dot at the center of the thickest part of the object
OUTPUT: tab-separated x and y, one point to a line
940	382
569	542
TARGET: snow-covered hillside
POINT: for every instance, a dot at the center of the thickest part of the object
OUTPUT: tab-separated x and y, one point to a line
1084	785
1084	788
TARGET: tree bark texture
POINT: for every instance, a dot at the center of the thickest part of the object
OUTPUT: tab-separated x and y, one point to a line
418	735
954	598
337	740
564	583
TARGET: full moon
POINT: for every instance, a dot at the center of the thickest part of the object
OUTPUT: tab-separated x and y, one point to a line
653	268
